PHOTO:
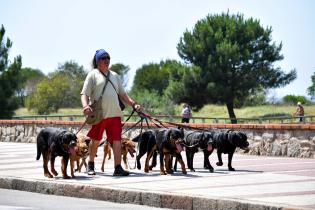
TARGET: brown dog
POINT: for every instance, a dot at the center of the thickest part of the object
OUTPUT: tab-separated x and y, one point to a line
80	154
127	145
53	142
107	151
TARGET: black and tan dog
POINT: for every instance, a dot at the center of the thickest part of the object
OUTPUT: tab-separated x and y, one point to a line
127	146
80	154
53	142
146	141
196	141
168	144
226	141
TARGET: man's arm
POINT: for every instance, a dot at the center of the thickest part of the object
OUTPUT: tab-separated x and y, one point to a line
126	98
85	104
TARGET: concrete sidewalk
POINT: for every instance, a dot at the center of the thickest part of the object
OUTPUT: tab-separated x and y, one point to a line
258	182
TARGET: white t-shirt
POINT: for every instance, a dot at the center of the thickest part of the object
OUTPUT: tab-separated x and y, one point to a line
93	87
186	112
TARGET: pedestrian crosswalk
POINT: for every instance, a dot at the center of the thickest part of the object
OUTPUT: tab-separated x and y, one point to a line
256	179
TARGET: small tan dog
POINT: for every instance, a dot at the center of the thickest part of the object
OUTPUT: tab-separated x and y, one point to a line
127	145
81	153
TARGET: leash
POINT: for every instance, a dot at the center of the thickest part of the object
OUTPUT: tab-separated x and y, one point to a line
170	123
133	111
84	123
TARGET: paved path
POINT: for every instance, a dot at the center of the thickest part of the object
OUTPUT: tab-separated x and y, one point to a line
271	181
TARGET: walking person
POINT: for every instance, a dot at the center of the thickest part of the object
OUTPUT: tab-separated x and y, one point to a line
186	113
300	111
112	114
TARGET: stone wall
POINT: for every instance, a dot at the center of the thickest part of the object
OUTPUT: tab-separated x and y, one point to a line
294	140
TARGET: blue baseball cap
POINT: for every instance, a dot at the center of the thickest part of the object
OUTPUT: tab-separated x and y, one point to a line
100	53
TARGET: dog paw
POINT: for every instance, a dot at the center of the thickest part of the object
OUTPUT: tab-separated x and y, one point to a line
170	171
162	173
54	173
211	170
192	170
138	166
219	164
184	172
48	175
66	177
231	169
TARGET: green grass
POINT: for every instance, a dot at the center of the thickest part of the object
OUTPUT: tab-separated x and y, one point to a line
212	111
251	112
63	111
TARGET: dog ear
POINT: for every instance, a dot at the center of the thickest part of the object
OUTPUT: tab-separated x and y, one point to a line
167	135
243	136
124	142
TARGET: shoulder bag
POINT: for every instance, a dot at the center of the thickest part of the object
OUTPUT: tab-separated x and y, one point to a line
97	112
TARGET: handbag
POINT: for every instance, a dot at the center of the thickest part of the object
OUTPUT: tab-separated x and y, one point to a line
97	112
121	103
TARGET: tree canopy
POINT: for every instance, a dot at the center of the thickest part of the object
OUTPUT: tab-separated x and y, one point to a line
235	58
311	89
122	70
59	89
29	79
10	77
151	77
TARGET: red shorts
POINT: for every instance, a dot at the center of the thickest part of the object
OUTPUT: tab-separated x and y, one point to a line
111	125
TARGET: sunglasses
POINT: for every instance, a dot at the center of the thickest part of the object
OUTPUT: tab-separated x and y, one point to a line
105	58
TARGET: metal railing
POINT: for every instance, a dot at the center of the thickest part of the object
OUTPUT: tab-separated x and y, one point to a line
173	118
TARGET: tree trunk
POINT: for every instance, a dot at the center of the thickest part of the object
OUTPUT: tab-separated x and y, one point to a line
231	112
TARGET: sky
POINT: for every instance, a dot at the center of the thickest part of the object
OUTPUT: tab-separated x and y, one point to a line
48	33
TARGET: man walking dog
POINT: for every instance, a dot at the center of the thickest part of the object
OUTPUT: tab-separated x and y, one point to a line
112	113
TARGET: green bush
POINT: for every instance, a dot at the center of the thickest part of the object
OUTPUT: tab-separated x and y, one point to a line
292	99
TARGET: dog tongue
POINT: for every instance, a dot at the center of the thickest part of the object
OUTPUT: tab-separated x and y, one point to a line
179	147
210	147
72	150
131	154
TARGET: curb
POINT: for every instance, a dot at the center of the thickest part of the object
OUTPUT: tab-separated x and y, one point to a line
154	199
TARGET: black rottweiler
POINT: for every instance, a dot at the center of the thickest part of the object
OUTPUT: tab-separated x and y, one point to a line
53	142
195	141
226	141
168	143
146	142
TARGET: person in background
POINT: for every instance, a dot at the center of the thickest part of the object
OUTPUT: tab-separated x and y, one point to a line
112	114
300	112
186	113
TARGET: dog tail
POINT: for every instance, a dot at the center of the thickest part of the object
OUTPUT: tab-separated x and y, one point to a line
38	151
136	139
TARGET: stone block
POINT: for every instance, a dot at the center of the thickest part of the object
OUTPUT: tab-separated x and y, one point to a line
151	199
105	194
129	197
204	203
80	191
231	205
5	183
176	202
